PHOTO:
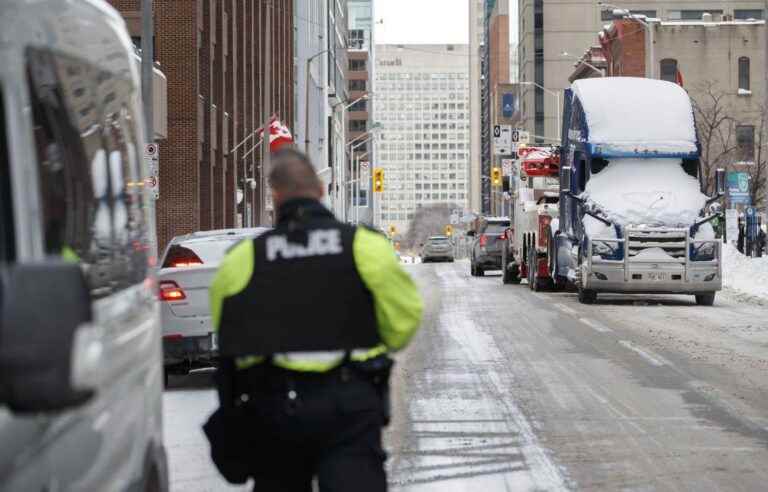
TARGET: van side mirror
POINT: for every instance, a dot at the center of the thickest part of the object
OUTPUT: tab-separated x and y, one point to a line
565	179
720	182
45	315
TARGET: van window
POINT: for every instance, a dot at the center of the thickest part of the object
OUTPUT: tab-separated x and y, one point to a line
72	165
7	242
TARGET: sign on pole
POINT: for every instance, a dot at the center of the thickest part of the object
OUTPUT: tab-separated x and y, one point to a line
365	175
738	188
508	167
502	139
732	225
152	158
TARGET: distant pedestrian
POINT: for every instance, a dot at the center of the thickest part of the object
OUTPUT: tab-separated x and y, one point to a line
306	315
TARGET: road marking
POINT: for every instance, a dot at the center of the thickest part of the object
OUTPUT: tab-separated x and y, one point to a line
646	354
566	309
597	326
539	296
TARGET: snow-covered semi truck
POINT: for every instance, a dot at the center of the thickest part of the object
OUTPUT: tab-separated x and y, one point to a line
632	216
527	248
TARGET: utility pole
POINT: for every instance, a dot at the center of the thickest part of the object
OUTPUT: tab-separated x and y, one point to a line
147	65
265	117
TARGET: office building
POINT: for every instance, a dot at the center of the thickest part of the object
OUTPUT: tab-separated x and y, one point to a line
422	103
360	108
476	43
552	35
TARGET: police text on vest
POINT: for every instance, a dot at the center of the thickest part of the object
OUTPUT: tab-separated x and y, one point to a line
320	243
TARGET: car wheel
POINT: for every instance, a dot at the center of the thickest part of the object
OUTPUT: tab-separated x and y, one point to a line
707	299
480	271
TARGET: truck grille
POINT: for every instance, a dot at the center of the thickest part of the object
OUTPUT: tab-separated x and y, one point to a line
671	241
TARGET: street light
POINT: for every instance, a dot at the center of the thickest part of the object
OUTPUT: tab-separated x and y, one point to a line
565	54
641	20
364	97
306	99
557	98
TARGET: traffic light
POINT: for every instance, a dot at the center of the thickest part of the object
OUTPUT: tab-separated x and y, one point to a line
378	180
392	230
448	230
496	176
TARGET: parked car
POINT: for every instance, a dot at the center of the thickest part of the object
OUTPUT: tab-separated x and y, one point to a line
437	248
485	253
80	345
186	272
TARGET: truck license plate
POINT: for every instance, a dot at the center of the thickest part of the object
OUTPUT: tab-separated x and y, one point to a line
657	276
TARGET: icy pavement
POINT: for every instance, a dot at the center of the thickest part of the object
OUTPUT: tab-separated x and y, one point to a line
186	407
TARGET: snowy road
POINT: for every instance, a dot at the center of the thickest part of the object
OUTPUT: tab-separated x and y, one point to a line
505	389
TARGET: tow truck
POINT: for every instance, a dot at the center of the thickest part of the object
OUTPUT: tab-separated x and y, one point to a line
528	246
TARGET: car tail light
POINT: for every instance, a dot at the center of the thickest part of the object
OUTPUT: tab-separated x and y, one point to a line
483	240
170	291
175	337
184	264
503	236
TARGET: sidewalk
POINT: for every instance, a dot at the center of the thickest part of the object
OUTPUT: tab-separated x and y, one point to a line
744	275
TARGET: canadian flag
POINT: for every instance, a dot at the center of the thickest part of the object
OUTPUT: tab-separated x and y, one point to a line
279	135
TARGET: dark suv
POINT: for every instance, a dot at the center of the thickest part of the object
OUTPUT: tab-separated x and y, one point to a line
486	247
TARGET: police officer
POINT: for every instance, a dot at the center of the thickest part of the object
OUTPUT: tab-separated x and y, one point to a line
306	315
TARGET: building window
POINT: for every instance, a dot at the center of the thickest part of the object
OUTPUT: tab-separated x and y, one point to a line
756	14
692	14
358	125
357	65
357	85
607	15
356	39
361	105
745	142
668	70
744	73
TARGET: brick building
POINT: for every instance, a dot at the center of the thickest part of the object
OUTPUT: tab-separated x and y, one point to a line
212	52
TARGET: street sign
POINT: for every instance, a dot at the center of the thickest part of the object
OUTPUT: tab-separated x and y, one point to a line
738	188
365	175
524	138
502	139
508	167
152	185
152	151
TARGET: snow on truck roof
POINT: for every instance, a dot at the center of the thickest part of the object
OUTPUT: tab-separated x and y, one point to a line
635	116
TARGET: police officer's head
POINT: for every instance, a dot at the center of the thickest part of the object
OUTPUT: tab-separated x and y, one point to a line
293	176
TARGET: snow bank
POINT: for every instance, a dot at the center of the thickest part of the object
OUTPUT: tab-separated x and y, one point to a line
627	114
744	274
646	192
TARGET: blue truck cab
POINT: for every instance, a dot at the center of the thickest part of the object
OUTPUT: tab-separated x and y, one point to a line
633	218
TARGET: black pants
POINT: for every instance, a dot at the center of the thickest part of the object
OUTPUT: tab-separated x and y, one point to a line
331	430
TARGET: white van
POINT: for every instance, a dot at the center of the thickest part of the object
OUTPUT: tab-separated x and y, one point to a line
80	345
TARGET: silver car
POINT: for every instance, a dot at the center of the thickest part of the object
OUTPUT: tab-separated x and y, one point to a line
437	248
186	272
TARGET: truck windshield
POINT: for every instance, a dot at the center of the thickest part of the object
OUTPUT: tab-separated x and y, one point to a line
646	192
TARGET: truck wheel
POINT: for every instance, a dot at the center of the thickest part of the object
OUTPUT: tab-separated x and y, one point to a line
707	299
587	296
560	283
533	279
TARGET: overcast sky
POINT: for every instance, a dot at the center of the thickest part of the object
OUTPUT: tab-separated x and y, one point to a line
427	21
422	21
